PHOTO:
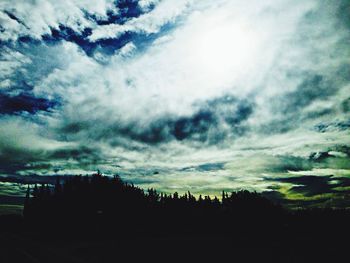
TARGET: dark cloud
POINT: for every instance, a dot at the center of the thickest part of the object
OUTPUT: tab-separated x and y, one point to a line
195	126
31	179
283	199
82	154
310	185
24	102
316	185
67	34
342	148
320	156
313	88
11	165
205	167
289	163
319	113
343	13
14	17
334	125
345	105
318	191
290	107
211	123
127	9
13	159
208	123
105	46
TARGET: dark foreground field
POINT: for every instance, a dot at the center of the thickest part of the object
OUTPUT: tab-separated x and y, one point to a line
98	219
288	245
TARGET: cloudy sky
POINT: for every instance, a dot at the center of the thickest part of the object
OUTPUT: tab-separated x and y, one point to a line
179	95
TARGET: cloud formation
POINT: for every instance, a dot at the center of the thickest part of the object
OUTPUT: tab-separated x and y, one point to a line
181	95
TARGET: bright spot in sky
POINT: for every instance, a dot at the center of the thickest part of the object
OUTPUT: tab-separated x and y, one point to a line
214	53
225	50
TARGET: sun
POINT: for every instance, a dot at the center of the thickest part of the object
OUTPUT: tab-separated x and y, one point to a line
224	50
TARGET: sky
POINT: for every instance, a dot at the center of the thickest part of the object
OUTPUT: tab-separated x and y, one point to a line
179	95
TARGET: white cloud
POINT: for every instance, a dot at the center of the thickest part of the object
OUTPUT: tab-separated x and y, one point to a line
165	12
20	135
37	17
127	50
12	62
234	48
146	4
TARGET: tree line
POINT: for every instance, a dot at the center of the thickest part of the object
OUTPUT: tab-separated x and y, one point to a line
101	203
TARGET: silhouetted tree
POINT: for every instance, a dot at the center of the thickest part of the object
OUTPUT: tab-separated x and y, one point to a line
98	202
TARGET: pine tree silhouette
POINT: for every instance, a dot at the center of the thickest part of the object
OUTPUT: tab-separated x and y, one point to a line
97	202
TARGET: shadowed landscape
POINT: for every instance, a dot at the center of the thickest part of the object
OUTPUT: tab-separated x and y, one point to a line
98	219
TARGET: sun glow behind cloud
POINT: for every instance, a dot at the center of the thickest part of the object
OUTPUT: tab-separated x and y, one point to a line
224	50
